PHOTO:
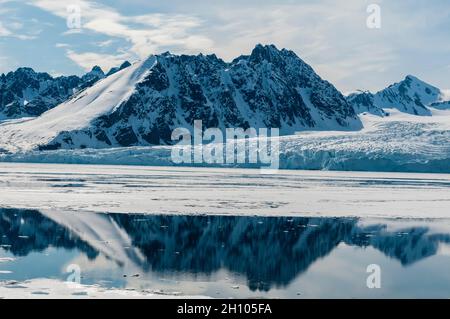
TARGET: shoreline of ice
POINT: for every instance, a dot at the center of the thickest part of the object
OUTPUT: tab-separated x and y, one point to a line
222	191
45	288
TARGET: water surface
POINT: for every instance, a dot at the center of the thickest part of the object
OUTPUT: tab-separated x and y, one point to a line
229	256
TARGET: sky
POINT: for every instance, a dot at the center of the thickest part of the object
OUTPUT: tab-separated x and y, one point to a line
70	37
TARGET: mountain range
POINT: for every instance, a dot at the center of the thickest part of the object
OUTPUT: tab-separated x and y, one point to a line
141	103
26	93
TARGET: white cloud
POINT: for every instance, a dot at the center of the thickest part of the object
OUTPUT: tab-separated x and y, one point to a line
16	25
13	26
103	44
330	35
25	37
62	45
88	59
4	32
146	34
72	31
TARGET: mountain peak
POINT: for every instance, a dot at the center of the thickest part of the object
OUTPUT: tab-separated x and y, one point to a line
124	65
417	84
412	78
94	75
27	73
266	47
265	52
97	69
25	70
164	54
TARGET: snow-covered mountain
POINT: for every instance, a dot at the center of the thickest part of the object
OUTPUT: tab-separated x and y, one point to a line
411	96
143	103
26	93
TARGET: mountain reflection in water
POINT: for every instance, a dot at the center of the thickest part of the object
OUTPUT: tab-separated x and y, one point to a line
268	251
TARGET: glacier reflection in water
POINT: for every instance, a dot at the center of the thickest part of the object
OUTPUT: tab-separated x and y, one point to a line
230	256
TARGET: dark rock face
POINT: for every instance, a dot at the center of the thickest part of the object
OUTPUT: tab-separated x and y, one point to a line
126	137
363	102
27	93
92	77
445	105
124	65
270	88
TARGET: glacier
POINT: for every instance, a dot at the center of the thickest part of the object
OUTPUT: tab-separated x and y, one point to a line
398	143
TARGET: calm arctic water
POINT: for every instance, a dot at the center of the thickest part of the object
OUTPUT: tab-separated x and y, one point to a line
228	256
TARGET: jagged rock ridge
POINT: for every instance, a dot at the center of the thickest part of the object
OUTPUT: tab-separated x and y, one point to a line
269	88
